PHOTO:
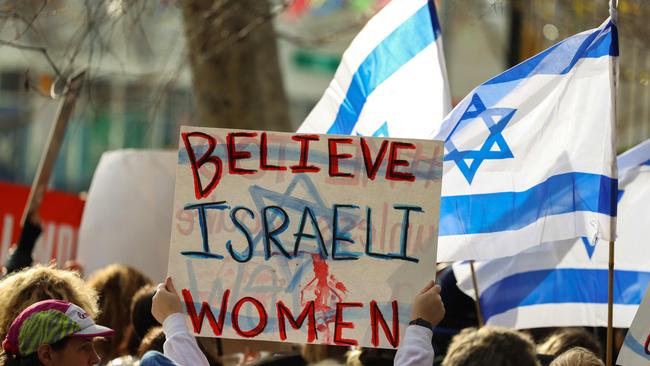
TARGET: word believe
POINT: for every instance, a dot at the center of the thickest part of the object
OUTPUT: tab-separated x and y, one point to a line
284	315
235	156
273	244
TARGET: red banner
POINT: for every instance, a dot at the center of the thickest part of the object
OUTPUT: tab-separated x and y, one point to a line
60	218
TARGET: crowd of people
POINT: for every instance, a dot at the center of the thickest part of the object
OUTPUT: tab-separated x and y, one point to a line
54	317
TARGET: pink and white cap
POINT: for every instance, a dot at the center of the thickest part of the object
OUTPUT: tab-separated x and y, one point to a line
47	322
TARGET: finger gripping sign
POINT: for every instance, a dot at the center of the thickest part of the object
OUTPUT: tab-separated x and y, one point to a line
303	238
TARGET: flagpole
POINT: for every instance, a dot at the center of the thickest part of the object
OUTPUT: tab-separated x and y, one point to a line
610	305
610	269
477	299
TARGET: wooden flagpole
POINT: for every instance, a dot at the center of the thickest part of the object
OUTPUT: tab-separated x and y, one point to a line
477	299
609	353
53	145
610	306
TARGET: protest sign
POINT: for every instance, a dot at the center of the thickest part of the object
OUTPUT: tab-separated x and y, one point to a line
60	214
636	347
303	238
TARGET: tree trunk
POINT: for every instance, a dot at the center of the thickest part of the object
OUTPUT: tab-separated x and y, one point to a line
234	60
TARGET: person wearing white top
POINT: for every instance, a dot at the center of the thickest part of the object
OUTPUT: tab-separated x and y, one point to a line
428	310
180	345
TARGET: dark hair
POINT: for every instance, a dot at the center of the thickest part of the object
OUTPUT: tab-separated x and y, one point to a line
152	341
31	359
141	316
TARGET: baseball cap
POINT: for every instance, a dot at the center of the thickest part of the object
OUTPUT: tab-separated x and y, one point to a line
47	322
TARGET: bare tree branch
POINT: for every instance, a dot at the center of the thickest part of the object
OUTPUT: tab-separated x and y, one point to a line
316	41
34	49
232	39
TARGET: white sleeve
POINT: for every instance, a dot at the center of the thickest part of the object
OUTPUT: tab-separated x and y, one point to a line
415	349
180	346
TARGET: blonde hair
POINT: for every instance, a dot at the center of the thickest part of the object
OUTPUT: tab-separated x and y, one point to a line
565	339
22	289
577	356
490	345
116	285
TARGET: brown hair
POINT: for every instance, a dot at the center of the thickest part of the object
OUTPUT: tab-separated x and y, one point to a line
565	339
152	341
116	284
490	346
34	284
577	356
313	353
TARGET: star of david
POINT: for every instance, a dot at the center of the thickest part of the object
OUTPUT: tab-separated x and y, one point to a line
382	131
493	148
290	201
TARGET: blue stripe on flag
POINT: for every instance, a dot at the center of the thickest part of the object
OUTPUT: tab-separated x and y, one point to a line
406	41
502	211
564	285
562	57
434	19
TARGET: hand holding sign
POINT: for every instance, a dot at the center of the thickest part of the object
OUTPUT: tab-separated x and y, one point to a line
166	301
303	238
428	304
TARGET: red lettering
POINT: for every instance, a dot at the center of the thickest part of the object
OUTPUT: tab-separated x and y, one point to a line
196	164
647	343
234	154
197	322
339	324
373	168
334	157
302	166
261	324
376	317
263	156
393	162
308	310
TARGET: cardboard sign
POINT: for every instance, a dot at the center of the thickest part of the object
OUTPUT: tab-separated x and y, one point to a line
636	347
60	217
303	238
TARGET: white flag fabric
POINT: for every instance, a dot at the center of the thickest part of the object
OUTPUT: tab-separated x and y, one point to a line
392	79
565	283
529	154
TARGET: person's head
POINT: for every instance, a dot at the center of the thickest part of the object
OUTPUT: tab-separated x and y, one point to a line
141	317
313	353
370	356
52	333
24	288
565	339
152	341
116	284
490	346
577	356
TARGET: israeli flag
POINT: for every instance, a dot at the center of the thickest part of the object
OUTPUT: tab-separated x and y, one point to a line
530	153
565	283
392	80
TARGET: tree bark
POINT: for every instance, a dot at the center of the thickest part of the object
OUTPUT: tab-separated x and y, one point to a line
237	81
